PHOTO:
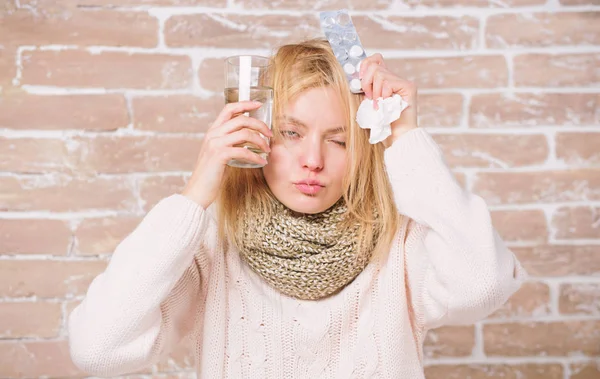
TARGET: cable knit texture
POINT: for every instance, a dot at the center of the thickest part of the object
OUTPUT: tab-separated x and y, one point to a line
171	278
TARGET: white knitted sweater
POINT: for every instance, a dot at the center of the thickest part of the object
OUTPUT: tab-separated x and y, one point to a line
170	278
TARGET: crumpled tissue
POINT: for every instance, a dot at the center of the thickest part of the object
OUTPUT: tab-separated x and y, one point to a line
379	120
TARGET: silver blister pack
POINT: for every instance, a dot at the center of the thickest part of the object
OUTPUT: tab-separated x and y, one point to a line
343	38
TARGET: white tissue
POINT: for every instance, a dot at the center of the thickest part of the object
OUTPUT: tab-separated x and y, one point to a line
379	120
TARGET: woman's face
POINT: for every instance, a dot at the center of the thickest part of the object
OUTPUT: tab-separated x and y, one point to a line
307	165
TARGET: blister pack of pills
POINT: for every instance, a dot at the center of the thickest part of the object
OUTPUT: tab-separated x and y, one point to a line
343	38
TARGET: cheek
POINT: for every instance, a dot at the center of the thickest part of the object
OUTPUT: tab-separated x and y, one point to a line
278	166
339	163
279	157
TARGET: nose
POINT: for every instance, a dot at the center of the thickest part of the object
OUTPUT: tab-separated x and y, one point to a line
312	156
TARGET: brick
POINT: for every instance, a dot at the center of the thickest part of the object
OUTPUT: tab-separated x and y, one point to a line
70	305
8	68
474	3
449	341
178	114
35	155
576	222
585	370
47	279
324	5
27	319
66	4
211	74
407	33
521	226
538	187
82	27
579	2
578	149
558	70
461	178
138	154
34	359
64	194
235	30
542	29
455	72
542	338
534	109
504	371
155	188
440	110
580	298
462	72
74	68
493	151
24	236
102	235
560	260
83	112
531	300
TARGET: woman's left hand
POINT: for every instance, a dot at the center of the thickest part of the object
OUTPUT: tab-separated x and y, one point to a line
377	81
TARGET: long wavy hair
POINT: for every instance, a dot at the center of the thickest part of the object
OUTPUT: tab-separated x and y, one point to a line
367	192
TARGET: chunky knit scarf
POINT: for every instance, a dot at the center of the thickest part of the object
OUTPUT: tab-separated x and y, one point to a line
304	256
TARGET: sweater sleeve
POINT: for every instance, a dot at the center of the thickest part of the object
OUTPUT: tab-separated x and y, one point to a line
458	268
146	299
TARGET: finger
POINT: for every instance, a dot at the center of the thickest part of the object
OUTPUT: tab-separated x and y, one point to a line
243	136
375	59
387	89
378	80
367	80
241	122
402	87
386	82
230	110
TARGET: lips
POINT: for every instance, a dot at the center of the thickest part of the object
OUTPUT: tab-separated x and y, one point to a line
309	187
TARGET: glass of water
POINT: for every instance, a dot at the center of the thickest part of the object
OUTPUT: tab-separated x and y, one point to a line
247	78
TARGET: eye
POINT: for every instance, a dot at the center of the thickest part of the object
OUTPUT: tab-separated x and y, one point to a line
289	134
340	143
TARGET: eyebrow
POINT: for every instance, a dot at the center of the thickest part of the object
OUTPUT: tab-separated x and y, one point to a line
295	121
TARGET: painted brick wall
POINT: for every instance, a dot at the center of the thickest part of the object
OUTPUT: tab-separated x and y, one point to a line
103	104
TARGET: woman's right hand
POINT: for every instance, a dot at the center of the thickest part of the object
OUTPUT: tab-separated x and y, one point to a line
231	128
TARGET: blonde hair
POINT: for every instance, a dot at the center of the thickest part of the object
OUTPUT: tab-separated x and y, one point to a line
294	69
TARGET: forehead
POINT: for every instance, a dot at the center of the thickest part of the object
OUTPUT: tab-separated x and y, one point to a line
317	107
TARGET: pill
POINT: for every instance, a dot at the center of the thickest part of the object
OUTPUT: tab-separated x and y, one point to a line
341	55
356	51
335	38
349	37
343	19
355	85
345	42
349	68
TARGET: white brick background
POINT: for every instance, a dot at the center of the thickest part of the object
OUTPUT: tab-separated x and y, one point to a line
103	103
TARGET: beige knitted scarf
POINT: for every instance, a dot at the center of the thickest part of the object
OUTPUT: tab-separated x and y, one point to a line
304	256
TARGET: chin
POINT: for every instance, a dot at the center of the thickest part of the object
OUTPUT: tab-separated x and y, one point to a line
308	204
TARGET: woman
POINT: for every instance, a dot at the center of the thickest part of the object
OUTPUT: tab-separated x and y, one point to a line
330	262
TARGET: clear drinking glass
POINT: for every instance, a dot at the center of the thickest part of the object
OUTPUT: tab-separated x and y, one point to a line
247	78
